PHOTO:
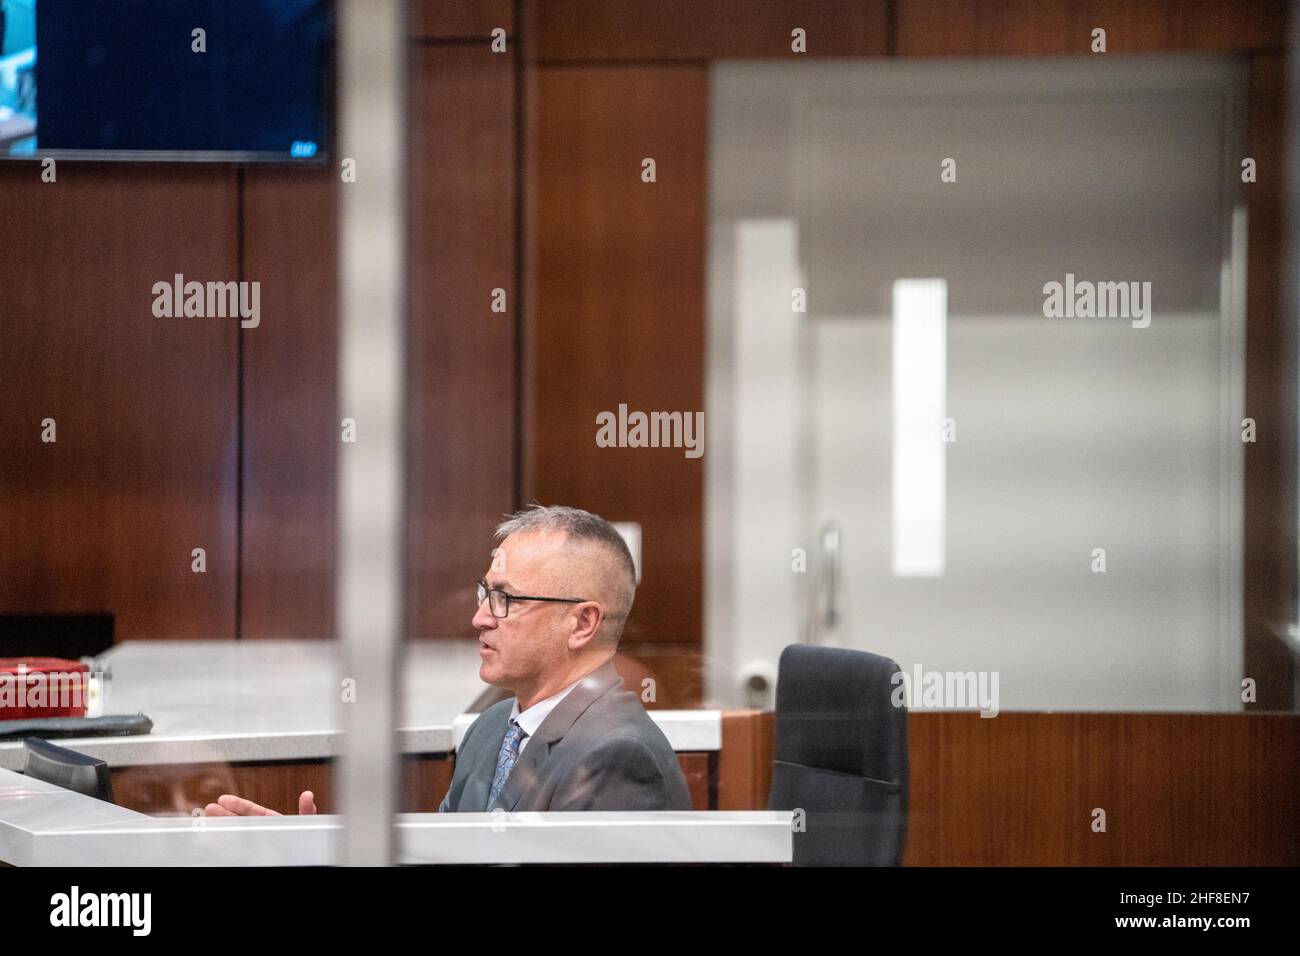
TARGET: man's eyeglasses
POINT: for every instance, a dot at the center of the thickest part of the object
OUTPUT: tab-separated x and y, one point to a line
499	601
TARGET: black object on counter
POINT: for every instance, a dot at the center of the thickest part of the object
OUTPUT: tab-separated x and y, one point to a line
67	769
110	725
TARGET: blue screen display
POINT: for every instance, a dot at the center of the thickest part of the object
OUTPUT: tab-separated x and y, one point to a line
165	79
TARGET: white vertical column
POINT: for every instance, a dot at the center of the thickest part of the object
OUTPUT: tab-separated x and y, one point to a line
372	263
920	346
765	486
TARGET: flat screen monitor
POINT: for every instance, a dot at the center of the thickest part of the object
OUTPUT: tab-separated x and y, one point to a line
188	80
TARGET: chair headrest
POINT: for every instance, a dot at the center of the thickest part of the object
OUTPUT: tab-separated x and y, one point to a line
835	710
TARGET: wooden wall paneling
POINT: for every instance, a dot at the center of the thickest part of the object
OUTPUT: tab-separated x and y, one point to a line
1024	27
460	19
615	312
1269	572
1015	790
144	467
1019	789
291	431
695	768
745	762
170	789
462	358
180	788
706	29
425	781
1222	25
675	673
971	27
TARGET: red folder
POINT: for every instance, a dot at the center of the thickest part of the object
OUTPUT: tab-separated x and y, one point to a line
34	687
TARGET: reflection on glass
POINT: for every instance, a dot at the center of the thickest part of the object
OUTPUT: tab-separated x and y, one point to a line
920	334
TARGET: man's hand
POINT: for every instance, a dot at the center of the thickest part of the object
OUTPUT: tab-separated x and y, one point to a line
229	805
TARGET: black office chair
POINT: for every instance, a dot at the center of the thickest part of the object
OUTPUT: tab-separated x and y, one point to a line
841	756
67	768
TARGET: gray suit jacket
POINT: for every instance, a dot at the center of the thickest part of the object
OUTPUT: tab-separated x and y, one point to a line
597	750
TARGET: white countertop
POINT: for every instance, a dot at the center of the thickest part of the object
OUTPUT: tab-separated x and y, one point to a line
44	825
238	701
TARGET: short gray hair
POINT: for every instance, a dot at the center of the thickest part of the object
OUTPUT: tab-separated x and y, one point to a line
577	525
574	523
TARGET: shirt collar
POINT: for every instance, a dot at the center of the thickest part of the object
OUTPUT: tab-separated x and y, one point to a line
532	718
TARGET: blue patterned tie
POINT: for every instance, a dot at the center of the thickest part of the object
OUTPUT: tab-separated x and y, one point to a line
505	760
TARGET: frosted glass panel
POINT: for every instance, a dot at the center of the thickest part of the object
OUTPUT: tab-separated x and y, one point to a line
1075	531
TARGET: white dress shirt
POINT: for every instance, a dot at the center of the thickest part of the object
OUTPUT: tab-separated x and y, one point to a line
532	718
